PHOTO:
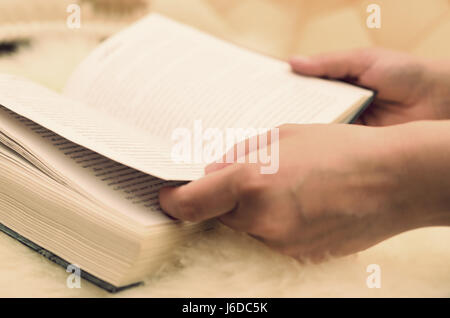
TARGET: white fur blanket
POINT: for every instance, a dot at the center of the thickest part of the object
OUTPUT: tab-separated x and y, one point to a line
225	263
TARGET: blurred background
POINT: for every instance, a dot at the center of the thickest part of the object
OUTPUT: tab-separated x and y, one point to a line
34	36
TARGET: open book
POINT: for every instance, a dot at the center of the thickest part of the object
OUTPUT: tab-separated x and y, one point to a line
80	171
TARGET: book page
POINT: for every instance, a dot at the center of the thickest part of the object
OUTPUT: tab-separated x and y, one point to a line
160	75
106	182
94	130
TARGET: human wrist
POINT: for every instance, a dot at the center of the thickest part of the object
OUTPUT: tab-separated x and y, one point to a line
417	155
438	82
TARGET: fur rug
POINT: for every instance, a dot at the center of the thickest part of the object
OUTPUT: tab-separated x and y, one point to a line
224	263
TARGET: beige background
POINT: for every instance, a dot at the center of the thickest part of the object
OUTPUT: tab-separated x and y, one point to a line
285	27
224	263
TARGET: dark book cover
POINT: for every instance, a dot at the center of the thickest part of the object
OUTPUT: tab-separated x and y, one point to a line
62	262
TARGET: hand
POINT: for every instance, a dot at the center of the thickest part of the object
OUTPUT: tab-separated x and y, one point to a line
339	189
408	88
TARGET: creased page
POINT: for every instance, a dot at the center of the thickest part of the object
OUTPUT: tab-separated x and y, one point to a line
92	129
160	75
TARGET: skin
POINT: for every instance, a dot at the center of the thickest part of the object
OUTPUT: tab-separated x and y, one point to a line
342	188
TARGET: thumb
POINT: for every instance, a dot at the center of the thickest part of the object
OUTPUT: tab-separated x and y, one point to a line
340	65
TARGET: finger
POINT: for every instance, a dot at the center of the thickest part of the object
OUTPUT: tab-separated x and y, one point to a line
234	219
239	153
202	199
358	121
231	156
248	216
251	213
215	166
340	65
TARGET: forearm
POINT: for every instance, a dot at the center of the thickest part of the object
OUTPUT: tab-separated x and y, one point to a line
420	162
439	87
